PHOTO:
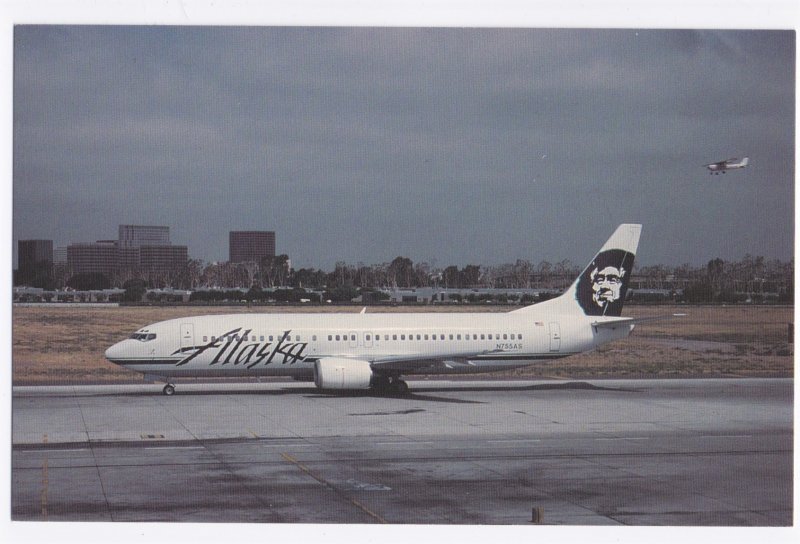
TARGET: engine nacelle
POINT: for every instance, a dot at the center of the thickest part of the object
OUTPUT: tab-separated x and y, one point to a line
339	373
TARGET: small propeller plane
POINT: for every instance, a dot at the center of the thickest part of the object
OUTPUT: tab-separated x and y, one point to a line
729	164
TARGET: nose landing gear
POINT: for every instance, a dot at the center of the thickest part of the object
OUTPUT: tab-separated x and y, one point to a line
169	389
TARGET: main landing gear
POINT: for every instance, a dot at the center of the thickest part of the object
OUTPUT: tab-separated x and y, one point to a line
391	384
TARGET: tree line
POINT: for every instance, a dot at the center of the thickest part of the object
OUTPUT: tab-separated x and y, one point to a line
753	278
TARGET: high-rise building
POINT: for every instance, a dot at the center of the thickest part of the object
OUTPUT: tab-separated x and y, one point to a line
163	258
134	236
31	252
99	257
34	257
148	248
251	245
60	255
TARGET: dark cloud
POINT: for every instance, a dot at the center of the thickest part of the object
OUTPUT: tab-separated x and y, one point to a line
459	145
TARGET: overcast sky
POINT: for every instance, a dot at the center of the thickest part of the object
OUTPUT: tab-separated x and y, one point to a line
451	146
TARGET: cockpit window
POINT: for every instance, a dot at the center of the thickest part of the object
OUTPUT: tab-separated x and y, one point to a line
143	337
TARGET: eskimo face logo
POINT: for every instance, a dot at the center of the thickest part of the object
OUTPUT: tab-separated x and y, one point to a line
602	287
606	284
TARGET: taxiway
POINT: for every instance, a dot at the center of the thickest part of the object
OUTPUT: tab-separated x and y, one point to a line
634	452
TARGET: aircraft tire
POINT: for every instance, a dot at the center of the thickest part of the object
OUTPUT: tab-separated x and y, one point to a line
381	383
169	390
400	387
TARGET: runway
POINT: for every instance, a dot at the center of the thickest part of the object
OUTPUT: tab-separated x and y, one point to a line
605	452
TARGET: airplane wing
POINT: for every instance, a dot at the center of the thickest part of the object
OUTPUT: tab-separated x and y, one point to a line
406	362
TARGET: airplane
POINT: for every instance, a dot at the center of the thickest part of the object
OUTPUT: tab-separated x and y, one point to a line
349	351
729	164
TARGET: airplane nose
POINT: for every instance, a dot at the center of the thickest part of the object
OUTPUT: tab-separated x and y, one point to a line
115	352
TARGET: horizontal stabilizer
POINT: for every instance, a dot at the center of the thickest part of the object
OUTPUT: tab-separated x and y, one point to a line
622	321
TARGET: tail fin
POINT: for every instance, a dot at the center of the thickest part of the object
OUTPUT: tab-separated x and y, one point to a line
744	162
601	287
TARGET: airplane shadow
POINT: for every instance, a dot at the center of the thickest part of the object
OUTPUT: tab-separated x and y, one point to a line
418	392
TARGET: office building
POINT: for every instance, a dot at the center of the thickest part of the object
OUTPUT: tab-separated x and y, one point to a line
163	258
33	257
98	257
135	236
60	255
251	245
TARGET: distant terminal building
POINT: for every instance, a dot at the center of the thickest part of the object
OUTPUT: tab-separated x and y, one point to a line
251	245
135	236
34	257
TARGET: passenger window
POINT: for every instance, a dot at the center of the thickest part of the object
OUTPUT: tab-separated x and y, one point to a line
314	338
213	338
205	339
451	337
519	337
490	337
394	337
337	337
330	338
482	337
426	337
366	338
459	337
402	337
270	338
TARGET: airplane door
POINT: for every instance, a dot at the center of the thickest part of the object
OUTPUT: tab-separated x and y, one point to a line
187	335
555	336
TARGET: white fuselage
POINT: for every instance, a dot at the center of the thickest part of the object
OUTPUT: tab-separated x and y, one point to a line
727	165
289	344
359	351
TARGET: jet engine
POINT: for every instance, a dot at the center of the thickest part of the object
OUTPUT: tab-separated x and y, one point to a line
339	373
